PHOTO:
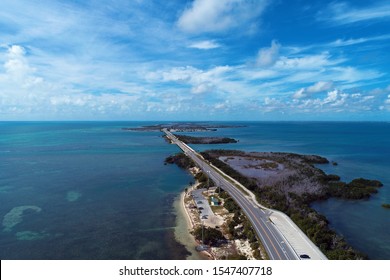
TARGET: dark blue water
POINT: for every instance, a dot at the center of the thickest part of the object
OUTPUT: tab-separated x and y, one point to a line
104	193
360	149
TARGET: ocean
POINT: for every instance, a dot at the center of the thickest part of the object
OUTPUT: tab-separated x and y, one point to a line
90	190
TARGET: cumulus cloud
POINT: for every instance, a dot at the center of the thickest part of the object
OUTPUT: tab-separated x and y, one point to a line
219	15
268	56
331	96
336	101
16	65
16	51
205	45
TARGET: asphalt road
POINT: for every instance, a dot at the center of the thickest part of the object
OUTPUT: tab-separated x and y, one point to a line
275	244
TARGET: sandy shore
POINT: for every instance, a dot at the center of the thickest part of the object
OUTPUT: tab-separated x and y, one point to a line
183	227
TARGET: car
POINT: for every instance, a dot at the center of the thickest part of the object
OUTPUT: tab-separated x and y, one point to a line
200	202
304	256
200	208
204	217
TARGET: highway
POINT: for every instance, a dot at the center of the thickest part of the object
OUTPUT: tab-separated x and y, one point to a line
274	242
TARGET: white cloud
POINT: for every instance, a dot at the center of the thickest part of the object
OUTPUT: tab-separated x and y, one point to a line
335	101
205	45
24	93
200	81
387	101
349	42
300	93
203	88
219	15
351	74
317	87
320	86
16	51
268	56
343	13
306	62
332	96
16	65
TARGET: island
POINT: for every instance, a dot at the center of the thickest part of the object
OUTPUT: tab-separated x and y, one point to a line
182	127
386	205
204	140
286	182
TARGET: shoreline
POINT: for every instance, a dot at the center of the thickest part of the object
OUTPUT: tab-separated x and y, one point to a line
184	225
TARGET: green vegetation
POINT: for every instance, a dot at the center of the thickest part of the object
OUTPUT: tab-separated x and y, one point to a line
180	160
201	177
356	189
331	177
204	140
239	226
386	205
211	236
204	181
231	205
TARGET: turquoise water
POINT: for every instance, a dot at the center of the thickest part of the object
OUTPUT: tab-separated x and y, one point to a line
93	191
104	193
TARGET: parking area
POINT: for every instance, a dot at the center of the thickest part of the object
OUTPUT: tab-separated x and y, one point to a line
206	214
201	203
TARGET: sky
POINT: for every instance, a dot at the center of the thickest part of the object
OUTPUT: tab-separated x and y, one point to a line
257	60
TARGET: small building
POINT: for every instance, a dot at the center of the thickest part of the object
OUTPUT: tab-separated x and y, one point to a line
214	201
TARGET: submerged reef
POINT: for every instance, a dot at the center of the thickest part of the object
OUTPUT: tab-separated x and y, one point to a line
15	216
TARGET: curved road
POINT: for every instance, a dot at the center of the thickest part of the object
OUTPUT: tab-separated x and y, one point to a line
274	242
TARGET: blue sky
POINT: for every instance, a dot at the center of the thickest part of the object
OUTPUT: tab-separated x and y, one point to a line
194	60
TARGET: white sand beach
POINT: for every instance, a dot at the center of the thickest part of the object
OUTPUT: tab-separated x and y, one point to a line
183	227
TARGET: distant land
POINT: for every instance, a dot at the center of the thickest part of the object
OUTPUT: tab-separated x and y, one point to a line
181	127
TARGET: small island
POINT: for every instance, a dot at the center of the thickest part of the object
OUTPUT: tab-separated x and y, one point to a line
386	205
204	140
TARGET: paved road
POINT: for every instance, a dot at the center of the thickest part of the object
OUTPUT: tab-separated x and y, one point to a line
275	244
